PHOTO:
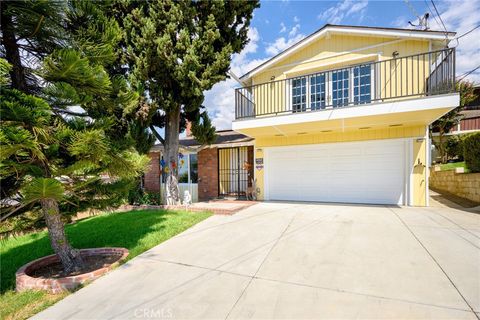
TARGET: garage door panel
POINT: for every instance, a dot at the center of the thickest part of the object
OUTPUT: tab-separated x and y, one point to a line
362	172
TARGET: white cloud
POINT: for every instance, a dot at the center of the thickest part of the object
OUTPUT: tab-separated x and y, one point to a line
294	31
296	19
401	22
282	43
346	8
461	19
283	28
220	100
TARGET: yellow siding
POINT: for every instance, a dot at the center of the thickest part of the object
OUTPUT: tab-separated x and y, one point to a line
335	52
419	151
419	172
328	137
335	45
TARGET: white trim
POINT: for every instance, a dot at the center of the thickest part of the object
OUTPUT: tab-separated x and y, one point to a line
228	145
372	109
406	186
408	34
266	168
410	171
427	168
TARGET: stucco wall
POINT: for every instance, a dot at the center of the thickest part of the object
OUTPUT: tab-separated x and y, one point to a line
465	185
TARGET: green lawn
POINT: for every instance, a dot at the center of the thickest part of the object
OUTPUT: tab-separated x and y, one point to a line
452	166
137	231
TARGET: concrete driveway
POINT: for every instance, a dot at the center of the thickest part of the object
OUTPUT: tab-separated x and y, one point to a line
296	260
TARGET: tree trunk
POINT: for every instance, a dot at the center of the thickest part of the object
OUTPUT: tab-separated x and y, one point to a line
441	145
69	257
12	52
170	156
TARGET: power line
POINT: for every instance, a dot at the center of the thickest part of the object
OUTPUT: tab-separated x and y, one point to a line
443	24
431	11
463	35
468	73
412	9
439	16
422	20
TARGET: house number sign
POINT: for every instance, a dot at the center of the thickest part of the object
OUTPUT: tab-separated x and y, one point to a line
259	163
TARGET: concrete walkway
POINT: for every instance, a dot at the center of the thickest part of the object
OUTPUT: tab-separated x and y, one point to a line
296	260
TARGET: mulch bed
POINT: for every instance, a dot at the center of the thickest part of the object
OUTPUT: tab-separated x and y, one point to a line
55	270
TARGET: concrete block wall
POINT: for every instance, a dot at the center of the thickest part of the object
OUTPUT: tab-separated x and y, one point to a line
464	185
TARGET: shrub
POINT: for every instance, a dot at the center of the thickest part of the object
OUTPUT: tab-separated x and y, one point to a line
471	152
138	196
454	147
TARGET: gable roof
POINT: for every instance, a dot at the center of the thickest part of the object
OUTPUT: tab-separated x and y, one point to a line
352	30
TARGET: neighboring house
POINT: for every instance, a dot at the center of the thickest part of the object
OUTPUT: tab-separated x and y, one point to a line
469	123
469	117
343	115
222	169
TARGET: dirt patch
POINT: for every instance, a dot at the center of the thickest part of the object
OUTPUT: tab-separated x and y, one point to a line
55	270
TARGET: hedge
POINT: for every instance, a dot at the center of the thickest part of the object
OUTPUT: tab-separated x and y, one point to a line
471	152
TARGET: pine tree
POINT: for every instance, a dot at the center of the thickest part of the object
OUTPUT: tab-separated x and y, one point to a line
66	138
176	50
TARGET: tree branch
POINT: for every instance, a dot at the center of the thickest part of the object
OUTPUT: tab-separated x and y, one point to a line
157	135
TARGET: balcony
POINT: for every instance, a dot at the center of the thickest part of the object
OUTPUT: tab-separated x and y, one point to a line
401	78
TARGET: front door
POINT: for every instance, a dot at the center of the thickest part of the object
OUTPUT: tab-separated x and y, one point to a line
235	171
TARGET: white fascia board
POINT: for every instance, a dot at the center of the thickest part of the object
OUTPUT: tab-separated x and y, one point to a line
409	34
373	109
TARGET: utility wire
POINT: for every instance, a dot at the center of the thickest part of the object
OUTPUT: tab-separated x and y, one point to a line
463	35
412	9
439	16
468	73
431	11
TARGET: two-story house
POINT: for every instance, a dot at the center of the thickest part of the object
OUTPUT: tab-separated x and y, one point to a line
343	115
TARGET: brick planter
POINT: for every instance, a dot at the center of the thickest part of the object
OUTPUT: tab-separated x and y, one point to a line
57	285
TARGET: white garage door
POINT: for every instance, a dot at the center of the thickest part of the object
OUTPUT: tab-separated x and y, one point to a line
357	172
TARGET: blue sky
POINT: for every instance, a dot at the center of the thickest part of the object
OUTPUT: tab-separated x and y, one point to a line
279	24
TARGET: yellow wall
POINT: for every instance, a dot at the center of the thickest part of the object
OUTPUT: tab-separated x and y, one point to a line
419	172
270	97
419	151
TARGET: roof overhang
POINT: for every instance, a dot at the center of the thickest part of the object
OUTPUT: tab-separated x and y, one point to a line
195	149
420	111
352	30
